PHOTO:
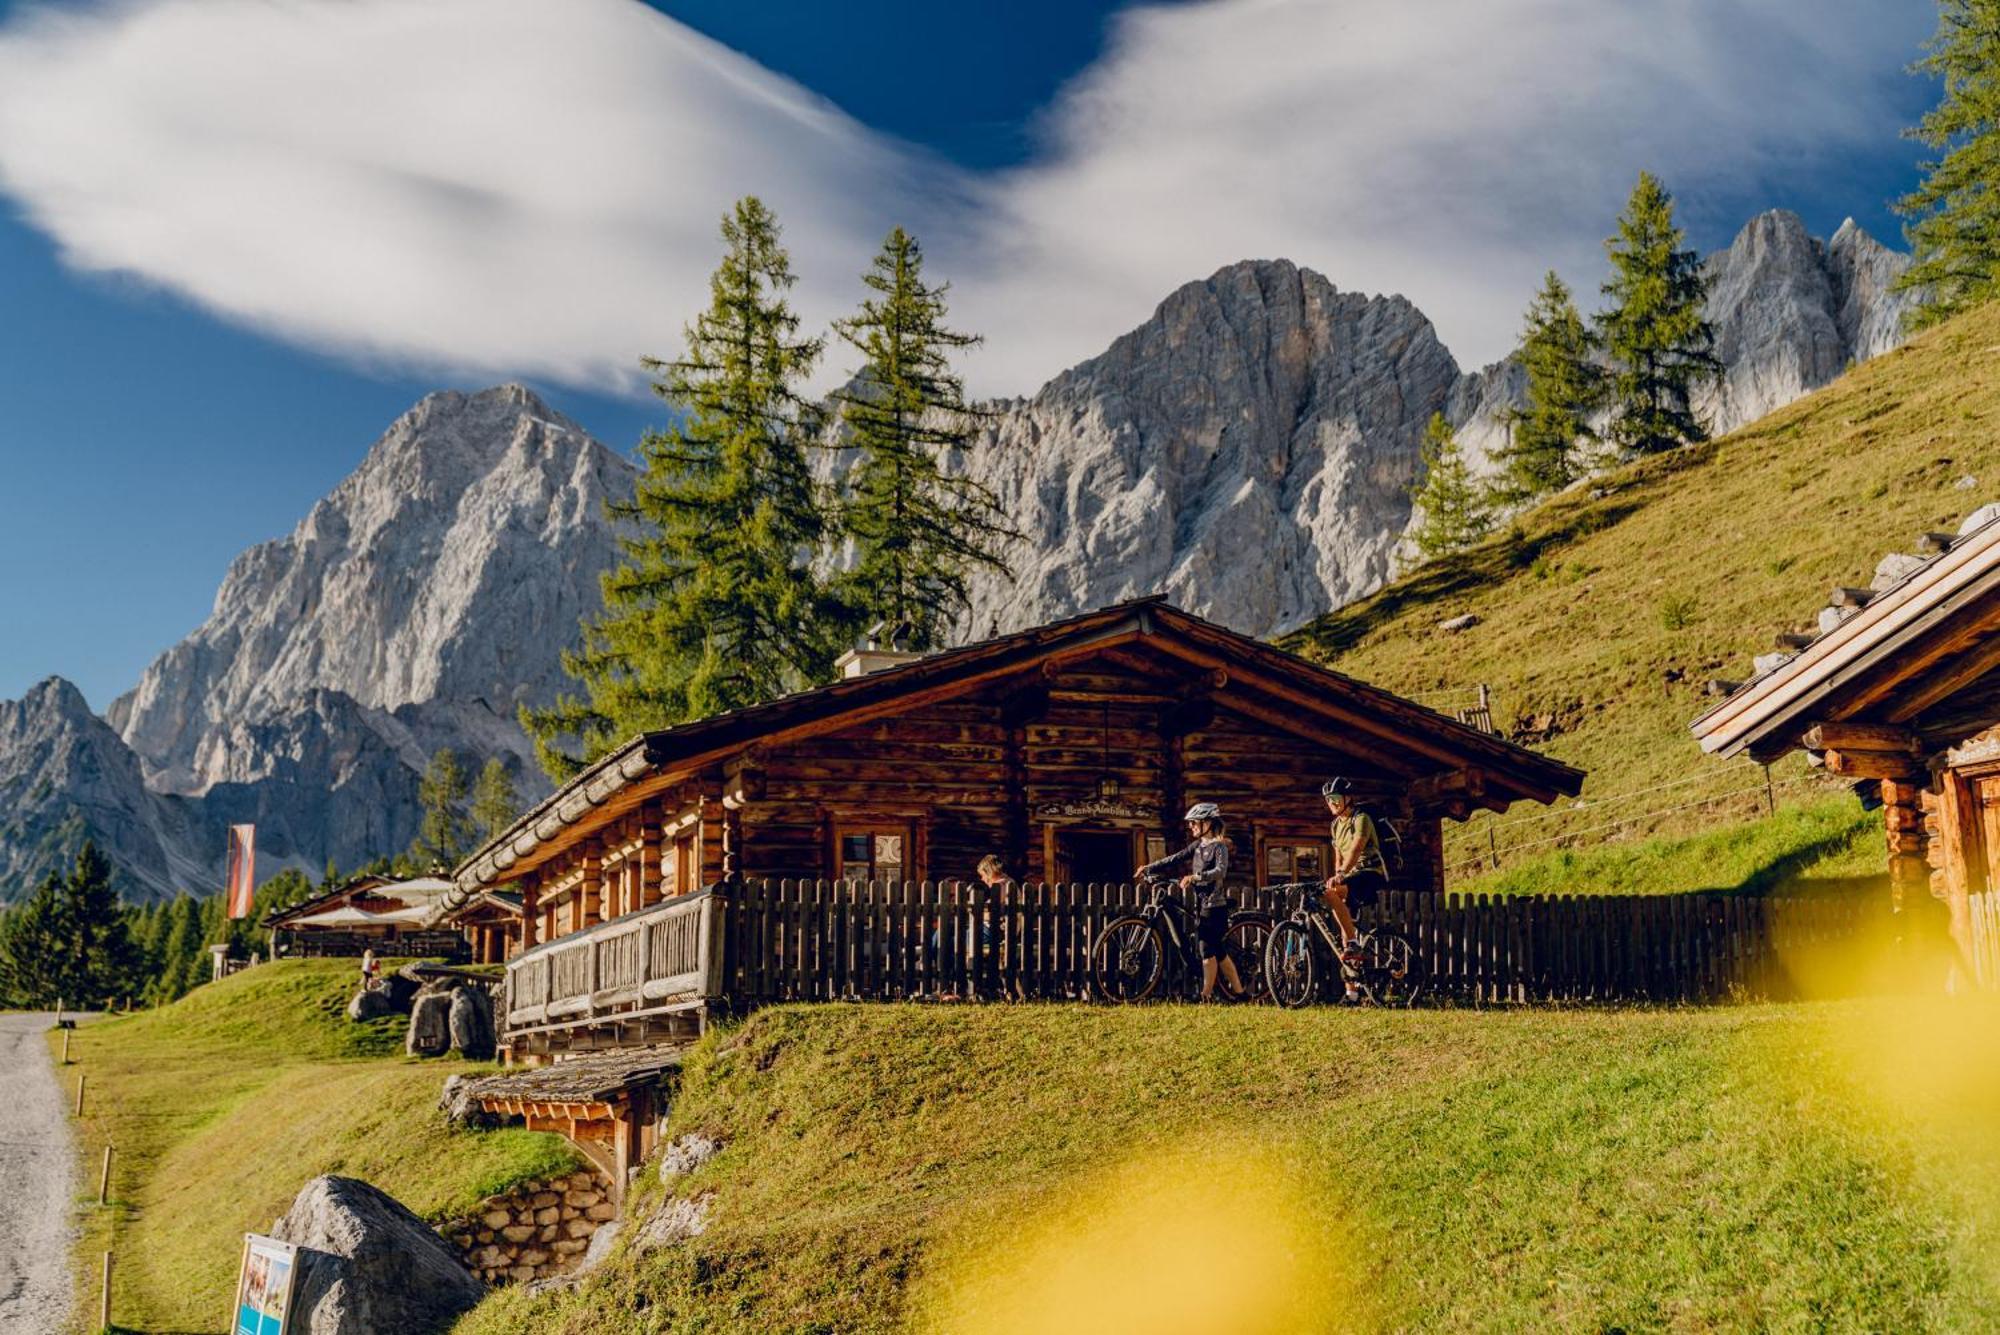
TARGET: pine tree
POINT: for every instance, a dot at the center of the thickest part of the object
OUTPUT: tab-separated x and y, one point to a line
1564	387
918	526
1453	507
1954	213
1656	330
71	940
444	832
715	605
494	801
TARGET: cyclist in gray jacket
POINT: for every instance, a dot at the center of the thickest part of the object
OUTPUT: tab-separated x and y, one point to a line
1203	866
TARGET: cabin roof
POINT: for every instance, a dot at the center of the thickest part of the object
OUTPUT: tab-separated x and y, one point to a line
421	890
1431	744
1914	642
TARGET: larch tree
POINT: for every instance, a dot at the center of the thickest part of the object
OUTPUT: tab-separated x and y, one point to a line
1565	386
1453	510
70	940
444	835
495	802
917	523
1656	330
1953	216
716	604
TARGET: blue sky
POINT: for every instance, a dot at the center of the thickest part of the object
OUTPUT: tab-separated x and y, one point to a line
202	326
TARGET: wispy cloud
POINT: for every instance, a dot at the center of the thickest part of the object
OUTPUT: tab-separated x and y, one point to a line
518	186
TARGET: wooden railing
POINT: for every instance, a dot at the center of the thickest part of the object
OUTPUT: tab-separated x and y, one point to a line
762	942
655	960
345	945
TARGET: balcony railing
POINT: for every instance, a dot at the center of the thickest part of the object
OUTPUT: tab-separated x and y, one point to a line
649	964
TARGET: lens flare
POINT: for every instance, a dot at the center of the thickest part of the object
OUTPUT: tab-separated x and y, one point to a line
1195	1239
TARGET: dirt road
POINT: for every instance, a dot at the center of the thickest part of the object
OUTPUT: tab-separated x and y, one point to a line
37	1181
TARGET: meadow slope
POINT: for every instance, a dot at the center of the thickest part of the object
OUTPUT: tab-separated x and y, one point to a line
1604	611
223	1104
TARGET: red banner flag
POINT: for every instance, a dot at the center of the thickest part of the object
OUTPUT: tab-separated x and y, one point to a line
242	869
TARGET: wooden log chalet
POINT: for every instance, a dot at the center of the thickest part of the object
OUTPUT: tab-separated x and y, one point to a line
1070	751
1900	692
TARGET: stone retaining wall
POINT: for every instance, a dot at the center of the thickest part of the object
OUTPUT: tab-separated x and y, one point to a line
536	1230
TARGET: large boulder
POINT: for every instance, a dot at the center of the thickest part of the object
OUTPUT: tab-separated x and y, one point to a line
370	1004
430	1025
471	1023
402	992
367	1265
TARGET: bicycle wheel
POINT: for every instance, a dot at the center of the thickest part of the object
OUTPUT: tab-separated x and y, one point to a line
1243	945
1392	975
1128	960
1291	965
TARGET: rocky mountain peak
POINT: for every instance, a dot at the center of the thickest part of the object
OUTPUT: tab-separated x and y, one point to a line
451	564
1259	409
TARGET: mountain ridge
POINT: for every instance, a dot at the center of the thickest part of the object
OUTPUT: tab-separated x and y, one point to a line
1261	409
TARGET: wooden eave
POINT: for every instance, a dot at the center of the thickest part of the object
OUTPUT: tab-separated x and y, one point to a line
1914	644
1270	684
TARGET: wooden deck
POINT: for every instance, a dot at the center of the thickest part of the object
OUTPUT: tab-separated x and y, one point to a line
656	974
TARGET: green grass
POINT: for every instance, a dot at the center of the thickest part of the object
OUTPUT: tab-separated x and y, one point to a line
1604	611
1826	844
927	1169
222	1105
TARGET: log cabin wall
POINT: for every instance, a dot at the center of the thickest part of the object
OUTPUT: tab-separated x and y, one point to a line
1077	777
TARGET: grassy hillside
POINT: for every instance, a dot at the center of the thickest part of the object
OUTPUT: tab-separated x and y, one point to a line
1071	1169
1604	611
222	1105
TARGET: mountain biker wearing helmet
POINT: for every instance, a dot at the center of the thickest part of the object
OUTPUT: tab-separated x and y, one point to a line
1359	871
1206	861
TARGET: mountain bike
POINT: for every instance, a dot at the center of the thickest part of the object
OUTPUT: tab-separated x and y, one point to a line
1303	954
1155	952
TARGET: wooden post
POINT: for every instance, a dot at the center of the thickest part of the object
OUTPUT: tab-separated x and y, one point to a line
588	903
649	855
104	1297
66	1033
79	1094
1770	794
104	1179
531	926
1492	841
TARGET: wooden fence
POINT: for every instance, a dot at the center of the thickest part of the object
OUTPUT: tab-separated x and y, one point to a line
753	944
837	940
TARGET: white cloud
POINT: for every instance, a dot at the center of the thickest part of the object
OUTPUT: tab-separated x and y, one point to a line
525	186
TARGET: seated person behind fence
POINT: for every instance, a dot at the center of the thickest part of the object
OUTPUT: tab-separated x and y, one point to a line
992	875
1206	864
1359	870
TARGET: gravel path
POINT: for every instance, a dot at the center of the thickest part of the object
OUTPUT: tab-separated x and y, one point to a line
37	1181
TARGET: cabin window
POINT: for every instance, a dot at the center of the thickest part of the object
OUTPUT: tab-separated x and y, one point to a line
874	853
1285	862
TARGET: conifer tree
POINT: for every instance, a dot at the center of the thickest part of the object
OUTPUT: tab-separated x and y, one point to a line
444	833
495	803
1564	387
918	526
1954	213
71	940
1452	507
715	605
1656	331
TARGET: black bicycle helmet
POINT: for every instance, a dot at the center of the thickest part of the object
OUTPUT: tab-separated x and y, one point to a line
1337	788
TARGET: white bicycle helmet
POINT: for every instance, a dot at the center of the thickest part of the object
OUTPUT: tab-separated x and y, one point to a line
1203	811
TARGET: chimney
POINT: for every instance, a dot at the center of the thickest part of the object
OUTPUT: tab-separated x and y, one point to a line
880	649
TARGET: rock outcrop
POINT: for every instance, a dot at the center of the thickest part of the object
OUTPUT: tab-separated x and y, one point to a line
369	1265
1259	411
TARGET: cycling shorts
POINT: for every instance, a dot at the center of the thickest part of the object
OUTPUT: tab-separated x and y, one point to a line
1214	925
1364	888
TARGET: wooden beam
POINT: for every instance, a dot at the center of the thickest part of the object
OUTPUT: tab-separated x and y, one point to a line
1845	596
1873	765
1845	736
